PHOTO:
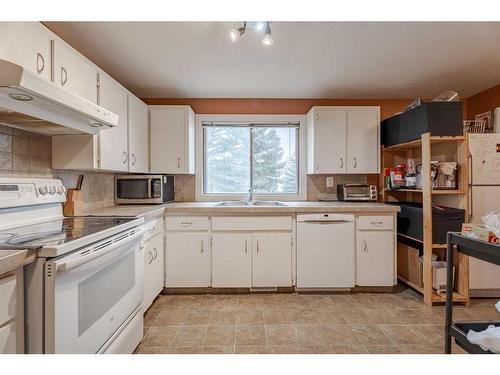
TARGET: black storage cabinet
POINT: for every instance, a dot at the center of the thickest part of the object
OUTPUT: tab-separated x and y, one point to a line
444	220
437	118
390	131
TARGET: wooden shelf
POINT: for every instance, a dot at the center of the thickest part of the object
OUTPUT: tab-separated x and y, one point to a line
457	148
418	143
436	298
436	192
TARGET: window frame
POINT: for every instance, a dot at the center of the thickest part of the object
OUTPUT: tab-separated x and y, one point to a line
301	157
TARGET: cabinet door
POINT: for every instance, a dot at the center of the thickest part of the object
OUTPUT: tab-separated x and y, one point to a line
187	259
8	343
73	72
272	259
330	140
113	142
231	260
26	44
363	146
138	135
172	140
375	258
153	269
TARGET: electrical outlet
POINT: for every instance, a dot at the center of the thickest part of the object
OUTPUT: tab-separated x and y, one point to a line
329	182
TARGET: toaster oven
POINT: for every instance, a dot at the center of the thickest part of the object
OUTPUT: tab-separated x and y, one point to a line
357	192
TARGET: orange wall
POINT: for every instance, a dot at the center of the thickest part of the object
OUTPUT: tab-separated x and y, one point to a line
276	106
484	101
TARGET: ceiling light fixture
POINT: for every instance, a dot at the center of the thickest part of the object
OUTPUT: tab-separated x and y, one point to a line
267	41
235	34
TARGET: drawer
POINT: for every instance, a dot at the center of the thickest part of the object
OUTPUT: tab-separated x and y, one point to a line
8	339
8	298
182	223
251	223
379	222
153	228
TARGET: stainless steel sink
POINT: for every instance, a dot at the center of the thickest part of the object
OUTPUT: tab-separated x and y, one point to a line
251	203
269	203
232	204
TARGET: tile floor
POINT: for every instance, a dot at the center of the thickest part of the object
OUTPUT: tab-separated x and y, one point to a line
301	323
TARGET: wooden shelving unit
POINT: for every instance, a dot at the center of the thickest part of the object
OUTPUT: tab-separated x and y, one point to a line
427	148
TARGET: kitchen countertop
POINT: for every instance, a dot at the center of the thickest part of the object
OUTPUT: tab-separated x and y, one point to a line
151	211
12	259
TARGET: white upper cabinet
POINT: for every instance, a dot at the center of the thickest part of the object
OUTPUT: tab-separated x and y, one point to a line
326	134
363	142
26	44
172	139
343	140
113	142
138	135
74	72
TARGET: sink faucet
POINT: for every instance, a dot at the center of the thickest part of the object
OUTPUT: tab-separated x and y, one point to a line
250	196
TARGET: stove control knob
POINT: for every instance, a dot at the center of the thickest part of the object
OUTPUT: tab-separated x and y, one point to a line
60	189
52	190
43	190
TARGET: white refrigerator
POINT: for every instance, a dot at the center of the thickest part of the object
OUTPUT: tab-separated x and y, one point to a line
484	193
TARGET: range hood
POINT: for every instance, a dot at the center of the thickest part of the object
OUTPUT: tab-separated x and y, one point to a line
29	102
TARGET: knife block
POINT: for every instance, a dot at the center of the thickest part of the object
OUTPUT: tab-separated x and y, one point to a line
74	203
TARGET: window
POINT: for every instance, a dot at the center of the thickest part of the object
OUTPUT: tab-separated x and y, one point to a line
257	156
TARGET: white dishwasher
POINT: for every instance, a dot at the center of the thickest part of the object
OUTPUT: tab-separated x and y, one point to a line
325	251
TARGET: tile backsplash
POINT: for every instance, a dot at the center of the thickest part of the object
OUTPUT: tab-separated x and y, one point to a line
24	154
316	184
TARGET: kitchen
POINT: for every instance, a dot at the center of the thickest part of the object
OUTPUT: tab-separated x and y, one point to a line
156	209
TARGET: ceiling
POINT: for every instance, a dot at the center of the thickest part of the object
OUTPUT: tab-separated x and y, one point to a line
308	59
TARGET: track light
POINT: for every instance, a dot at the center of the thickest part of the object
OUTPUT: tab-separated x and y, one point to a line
235	34
267	41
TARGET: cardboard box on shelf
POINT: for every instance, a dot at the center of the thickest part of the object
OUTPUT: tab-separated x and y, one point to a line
409	266
479	232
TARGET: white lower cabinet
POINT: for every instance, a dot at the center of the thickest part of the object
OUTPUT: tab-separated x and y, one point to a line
187	259
231	260
375	251
271	259
154	260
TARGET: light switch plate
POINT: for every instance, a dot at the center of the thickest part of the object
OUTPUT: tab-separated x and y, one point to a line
329	182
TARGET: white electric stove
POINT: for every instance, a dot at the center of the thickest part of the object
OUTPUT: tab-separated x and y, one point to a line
84	291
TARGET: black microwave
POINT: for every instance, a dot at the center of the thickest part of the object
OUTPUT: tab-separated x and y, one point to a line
144	189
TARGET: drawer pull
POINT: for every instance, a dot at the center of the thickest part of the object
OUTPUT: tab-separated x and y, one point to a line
152	230
64	76
186	223
377	223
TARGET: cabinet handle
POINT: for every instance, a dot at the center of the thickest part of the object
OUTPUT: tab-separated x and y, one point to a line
124	157
341	163
64	75
40	60
150	257
377	223
133	159
186	223
155	254
178	163
246	247
365	246
317	166
152	230
355	163
202	250
257	247
317	116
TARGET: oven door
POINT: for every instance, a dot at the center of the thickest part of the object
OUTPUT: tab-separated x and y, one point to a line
86	301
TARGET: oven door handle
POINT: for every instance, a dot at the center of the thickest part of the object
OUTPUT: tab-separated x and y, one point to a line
72	264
